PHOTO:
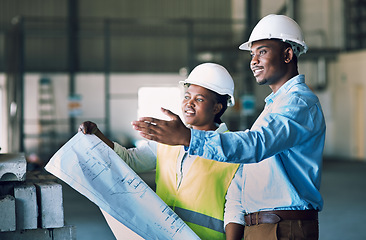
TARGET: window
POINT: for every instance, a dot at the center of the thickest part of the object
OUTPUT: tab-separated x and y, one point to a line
151	99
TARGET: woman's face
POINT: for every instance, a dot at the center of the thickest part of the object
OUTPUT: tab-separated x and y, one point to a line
199	108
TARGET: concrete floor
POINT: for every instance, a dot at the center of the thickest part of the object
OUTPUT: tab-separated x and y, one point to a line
343	217
344	192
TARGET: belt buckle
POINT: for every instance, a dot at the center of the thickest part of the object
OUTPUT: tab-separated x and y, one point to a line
256	218
248	219
253	218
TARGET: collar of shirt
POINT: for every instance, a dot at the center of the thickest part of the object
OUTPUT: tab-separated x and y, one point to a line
222	128
284	88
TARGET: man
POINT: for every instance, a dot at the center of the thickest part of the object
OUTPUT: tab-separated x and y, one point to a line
278	186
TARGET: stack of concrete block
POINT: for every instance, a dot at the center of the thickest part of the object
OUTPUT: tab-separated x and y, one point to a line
7	209
31	203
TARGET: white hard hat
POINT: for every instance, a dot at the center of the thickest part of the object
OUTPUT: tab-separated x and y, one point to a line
278	27
213	77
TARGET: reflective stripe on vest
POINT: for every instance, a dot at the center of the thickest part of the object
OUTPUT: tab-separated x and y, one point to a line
200	219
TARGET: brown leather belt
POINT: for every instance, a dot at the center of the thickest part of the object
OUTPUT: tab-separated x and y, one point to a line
279	215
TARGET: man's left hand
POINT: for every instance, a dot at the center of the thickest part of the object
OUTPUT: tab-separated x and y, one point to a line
172	132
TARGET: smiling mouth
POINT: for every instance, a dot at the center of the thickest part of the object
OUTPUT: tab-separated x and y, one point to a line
257	71
189	112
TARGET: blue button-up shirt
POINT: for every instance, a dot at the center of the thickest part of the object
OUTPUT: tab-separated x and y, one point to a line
281	154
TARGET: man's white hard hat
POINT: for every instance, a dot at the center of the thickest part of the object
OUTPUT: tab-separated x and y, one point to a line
278	27
213	77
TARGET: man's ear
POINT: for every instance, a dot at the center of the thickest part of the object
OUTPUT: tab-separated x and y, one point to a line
288	54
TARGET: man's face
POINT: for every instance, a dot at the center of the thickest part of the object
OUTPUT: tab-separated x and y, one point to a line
199	107
267	64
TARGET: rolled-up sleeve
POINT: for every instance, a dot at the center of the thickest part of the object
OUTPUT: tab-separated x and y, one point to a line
234	211
141	158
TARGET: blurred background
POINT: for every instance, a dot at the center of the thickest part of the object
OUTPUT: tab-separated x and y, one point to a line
66	61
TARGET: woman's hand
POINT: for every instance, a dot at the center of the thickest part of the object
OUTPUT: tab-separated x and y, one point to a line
88	127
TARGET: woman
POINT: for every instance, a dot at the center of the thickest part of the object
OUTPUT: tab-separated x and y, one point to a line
194	189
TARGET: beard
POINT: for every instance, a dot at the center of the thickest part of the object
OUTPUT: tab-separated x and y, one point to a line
262	81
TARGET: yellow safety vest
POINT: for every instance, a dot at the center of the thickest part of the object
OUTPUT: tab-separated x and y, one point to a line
200	198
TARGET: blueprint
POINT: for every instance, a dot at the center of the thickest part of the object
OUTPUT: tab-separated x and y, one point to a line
92	168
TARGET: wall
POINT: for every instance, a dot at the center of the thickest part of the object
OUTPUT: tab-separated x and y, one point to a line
346	119
153	9
135	36
123	94
3	115
320	20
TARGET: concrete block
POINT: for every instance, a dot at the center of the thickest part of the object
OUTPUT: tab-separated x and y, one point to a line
64	233
26	206
50	205
13	167
7	210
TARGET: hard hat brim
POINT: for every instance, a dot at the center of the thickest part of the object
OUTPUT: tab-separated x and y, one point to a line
245	46
231	101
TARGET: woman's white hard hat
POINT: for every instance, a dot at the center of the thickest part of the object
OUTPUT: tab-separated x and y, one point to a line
213	77
278	27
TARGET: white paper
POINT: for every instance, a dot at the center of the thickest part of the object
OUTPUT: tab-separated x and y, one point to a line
120	231
92	168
